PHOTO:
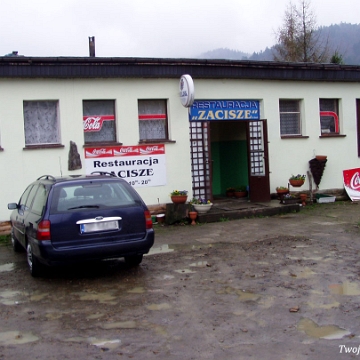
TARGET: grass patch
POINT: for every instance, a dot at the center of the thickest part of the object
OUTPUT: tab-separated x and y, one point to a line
5	240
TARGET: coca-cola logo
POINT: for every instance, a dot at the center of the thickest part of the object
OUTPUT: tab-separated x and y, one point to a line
92	123
100	151
355	181
95	123
152	148
126	150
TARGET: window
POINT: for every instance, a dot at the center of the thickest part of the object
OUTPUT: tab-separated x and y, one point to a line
39	200
99	121
290	121
153	122
329	116
41	122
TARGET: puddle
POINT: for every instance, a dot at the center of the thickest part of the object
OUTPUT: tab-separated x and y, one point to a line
168	277
137	290
163	306
185	271
9	297
243	295
205	240
328	332
103	298
102	343
335	304
346	288
38	297
54	316
310	258
200	264
7	267
120	325
16	338
95	316
163	249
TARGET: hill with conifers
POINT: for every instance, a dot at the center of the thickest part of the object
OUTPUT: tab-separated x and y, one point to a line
342	38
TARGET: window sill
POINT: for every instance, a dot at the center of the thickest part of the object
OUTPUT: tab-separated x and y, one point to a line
157	142
44	146
324	136
294	137
101	144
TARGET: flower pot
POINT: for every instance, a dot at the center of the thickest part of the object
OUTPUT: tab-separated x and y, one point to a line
303	198
240	194
160	218
179	199
282	191
230	193
193	216
202	208
296	183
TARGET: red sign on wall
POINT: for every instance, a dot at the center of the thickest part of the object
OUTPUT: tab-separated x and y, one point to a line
94	123
352	183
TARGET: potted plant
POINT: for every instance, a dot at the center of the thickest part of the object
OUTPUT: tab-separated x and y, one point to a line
192	214
230	191
240	191
297	180
289	199
179	196
200	205
282	190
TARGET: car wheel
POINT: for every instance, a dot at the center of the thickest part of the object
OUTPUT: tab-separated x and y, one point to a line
15	244
133	260
34	264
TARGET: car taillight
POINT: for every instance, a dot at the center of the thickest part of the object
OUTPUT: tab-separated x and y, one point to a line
148	219
43	230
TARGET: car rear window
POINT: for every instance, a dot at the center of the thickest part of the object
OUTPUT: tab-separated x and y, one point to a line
91	195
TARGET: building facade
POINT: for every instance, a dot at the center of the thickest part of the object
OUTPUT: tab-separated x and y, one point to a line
252	123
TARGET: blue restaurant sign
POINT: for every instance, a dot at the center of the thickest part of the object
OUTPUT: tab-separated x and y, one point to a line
208	110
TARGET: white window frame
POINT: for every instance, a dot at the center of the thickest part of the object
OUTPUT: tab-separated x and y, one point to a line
41	122
331	116
104	116
294	113
148	114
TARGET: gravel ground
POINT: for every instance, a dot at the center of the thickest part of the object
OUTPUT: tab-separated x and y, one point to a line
283	287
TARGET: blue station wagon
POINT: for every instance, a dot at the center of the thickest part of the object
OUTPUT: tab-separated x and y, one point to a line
79	218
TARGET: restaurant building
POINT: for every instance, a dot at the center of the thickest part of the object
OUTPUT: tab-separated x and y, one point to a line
244	123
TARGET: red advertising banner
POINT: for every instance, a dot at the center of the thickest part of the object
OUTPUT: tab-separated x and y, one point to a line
352	183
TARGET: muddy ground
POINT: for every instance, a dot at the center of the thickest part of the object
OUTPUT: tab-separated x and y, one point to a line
284	287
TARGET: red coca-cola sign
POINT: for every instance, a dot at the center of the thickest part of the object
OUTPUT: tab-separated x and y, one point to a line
94	123
352	183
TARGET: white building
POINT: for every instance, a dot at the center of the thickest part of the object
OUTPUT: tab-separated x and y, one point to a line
257	123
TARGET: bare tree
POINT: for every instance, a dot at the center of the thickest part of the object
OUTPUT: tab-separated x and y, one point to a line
298	40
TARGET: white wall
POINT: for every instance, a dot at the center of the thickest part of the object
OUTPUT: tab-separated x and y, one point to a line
20	167
291	156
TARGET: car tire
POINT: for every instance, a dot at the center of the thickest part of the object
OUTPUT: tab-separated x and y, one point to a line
134	260
35	267
15	244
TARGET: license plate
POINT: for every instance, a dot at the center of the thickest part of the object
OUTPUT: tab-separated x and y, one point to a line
88	226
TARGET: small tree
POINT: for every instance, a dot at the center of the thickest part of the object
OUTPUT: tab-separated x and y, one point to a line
298	40
337	58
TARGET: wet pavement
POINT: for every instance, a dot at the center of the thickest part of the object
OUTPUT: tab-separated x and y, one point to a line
279	287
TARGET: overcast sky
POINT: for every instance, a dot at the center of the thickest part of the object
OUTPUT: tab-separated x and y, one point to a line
151	28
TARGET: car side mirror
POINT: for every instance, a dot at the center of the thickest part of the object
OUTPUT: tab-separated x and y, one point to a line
12	206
